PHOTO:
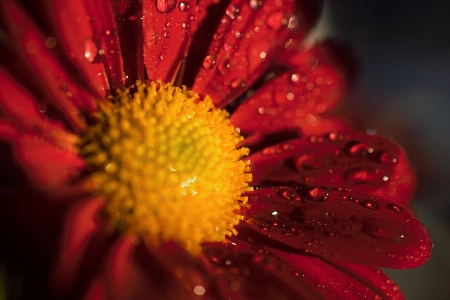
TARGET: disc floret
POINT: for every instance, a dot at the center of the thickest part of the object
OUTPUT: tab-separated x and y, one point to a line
167	165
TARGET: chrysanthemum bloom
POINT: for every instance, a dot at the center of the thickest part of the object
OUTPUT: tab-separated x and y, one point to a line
140	186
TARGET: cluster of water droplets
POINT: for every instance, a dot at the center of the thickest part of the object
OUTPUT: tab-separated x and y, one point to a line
325	221
234	51
342	159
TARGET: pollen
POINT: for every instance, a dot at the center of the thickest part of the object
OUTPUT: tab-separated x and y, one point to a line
168	166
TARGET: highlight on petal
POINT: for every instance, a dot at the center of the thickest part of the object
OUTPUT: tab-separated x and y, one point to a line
296	98
338	224
358	161
242	47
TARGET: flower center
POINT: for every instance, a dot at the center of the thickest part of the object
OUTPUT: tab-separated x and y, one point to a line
167	165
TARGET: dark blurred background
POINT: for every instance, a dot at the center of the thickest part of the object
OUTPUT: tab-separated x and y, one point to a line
403	91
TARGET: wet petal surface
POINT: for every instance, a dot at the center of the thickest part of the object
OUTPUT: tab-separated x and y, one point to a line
339	225
358	161
242	47
296	98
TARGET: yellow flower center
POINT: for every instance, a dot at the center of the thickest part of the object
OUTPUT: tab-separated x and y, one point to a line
167	165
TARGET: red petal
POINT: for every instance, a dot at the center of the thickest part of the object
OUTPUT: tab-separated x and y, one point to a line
64	93
171	263
339	224
345	281
245	272
361	162
295	98
167	34
73	26
96	290
254	271
374	278
325	125
21	107
127	274
48	162
307	13
245	42
80	227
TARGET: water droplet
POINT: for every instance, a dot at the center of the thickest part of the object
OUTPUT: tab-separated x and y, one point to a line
370	204
298	274
388	158
232	11
166	34
275	20
227	47
166	6
50	42
365	176
320	194
169	24
395	207
238	82
162	56
209	62
289	194
295	78
185	25
224	66
255	4
361	148
184	5
90	49
199	290
293	22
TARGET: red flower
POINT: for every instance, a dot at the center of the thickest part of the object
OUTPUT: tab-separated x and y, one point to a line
328	206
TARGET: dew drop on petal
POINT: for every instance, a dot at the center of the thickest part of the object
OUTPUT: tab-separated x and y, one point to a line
166	6
209	62
364	176
320	194
361	148
293	22
90	49
50	42
224	67
295	79
237	82
184	5
255	4
275	20
227	47
199	290
395	207
232	11
388	158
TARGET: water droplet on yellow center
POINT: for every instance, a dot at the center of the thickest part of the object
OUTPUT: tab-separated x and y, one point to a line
167	165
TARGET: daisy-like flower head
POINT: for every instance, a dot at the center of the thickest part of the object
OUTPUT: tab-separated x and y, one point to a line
183	150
